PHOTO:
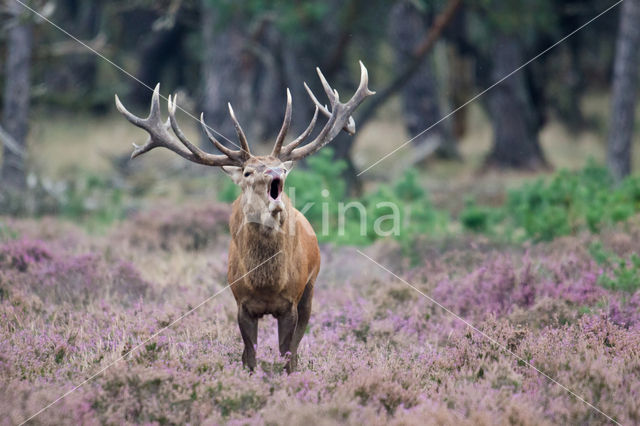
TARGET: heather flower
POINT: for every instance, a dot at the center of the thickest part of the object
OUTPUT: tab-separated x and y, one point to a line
376	351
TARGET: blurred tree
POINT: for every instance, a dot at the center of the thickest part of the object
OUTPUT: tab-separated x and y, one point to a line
15	117
420	97
273	45
342	144
501	33
625	90
224	78
158	50
71	75
515	139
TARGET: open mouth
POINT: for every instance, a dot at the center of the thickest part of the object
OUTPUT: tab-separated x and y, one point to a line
275	189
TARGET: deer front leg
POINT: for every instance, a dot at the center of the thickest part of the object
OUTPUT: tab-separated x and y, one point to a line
286	328
249	331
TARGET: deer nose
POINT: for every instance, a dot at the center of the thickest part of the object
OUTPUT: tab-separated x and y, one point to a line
275	172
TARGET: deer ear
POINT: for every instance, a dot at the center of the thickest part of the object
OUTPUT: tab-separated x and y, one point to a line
288	165
234	172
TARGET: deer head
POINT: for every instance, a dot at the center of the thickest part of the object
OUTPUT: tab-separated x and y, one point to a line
261	178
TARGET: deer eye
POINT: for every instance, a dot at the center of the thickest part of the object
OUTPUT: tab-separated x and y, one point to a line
247	173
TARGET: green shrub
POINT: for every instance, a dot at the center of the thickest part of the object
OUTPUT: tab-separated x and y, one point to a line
6	233
567	203
90	200
95	199
541	210
478	218
320	193
229	191
620	274
401	210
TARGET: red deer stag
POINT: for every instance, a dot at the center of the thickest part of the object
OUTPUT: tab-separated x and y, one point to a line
264	224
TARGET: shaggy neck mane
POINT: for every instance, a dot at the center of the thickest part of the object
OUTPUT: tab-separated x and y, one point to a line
260	242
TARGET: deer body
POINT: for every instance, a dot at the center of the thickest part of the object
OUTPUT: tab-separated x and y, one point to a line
274	257
295	261
282	286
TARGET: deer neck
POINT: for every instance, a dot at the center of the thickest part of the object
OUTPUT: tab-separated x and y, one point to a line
264	247
263	233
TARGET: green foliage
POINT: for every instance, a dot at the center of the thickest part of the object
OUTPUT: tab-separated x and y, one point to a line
541	210
319	189
567	203
229	191
416	212
397	210
402	210
527	20
93	200
89	199
6	233
621	274
478	218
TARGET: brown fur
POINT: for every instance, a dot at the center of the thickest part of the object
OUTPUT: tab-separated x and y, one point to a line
269	288
273	264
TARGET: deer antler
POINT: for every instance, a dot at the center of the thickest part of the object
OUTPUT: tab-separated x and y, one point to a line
339	118
285	127
159	135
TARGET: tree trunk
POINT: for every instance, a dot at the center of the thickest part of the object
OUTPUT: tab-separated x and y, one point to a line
341	151
225	76
624	92
367	111
15	117
153	60
515	143
74	76
420	94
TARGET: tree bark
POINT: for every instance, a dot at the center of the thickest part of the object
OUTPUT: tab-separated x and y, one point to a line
515	143
344	144
153	60
420	94
225	76
73	74
15	117
624	92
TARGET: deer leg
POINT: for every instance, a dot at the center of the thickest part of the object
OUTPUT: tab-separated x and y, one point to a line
249	331
304	312
286	328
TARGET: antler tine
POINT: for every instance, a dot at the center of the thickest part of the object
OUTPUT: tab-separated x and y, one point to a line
171	106
363	90
350	127
303	136
285	127
239	131
136	121
154	110
145	123
339	117
159	135
331	93
229	152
